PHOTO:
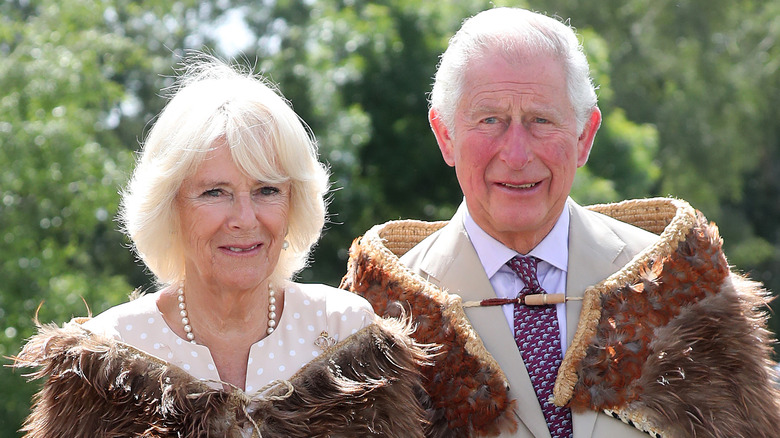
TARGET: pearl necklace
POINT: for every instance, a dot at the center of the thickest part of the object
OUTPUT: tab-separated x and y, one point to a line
185	320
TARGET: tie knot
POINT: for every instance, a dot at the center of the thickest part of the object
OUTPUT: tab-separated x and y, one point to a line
525	268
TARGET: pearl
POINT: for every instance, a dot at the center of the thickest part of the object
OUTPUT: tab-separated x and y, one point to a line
185	320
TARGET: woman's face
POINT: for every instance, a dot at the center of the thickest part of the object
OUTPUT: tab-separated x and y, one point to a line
232	226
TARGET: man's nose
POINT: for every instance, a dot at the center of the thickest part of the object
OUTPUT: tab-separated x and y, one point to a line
516	146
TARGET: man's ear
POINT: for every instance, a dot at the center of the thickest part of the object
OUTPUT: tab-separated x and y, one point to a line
443	137
585	142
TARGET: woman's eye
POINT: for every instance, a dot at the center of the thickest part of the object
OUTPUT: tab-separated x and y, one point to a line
269	190
213	193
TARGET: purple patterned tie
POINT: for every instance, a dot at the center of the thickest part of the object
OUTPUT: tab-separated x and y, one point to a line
538	338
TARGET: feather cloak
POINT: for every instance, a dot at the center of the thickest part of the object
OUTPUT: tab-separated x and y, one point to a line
674	344
366	385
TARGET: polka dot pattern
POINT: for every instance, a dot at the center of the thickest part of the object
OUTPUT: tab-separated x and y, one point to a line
308	310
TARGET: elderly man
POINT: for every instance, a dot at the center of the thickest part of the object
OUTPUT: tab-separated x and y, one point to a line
557	320
514	112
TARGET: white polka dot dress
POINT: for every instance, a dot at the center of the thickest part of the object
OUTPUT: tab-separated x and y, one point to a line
309	309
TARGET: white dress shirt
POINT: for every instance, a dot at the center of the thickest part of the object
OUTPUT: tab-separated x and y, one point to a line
553	255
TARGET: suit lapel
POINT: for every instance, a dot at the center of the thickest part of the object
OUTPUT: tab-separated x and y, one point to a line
455	266
593	249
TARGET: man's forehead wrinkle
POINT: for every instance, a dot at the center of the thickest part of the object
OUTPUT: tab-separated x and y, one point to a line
503	99
509	88
504	86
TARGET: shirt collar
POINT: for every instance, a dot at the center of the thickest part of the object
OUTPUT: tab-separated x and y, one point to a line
553	249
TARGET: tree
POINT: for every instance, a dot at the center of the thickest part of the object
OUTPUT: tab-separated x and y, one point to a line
358	73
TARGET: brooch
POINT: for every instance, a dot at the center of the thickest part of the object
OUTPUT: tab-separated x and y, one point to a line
324	341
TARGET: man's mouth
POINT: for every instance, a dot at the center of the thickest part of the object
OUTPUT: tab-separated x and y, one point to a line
519	186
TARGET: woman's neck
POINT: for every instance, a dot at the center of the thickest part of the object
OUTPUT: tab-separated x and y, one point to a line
227	323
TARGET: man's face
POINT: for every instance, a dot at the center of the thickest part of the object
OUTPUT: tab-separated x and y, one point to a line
515	146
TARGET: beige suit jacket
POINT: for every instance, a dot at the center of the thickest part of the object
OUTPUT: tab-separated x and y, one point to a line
598	247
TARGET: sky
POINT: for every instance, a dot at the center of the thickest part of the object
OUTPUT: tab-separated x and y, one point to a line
232	33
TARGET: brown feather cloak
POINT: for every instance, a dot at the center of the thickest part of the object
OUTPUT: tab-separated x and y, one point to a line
675	343
367	385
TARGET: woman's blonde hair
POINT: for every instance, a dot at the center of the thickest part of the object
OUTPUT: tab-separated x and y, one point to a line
215	103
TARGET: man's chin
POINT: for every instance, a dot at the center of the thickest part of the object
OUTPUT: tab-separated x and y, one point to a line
520	225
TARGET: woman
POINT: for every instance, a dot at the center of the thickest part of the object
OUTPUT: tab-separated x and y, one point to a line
223	207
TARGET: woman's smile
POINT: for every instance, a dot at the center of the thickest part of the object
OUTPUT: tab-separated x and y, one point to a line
242	248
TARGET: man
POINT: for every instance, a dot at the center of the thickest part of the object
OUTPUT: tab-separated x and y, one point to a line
514	112
666	336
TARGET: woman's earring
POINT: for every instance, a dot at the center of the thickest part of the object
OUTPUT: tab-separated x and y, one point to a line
285	244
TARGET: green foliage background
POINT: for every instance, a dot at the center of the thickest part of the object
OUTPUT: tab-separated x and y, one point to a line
688	91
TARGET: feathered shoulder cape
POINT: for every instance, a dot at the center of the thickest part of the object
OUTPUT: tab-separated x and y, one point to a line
366	385
674	343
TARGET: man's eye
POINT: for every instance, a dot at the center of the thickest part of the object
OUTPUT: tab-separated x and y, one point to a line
541	120
490	120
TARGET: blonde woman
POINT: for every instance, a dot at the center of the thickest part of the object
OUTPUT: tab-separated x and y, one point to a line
223	207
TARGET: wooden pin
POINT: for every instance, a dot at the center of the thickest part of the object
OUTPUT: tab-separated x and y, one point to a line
528	300
543	299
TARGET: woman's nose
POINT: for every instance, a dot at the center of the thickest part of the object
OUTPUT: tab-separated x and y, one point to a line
243	212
